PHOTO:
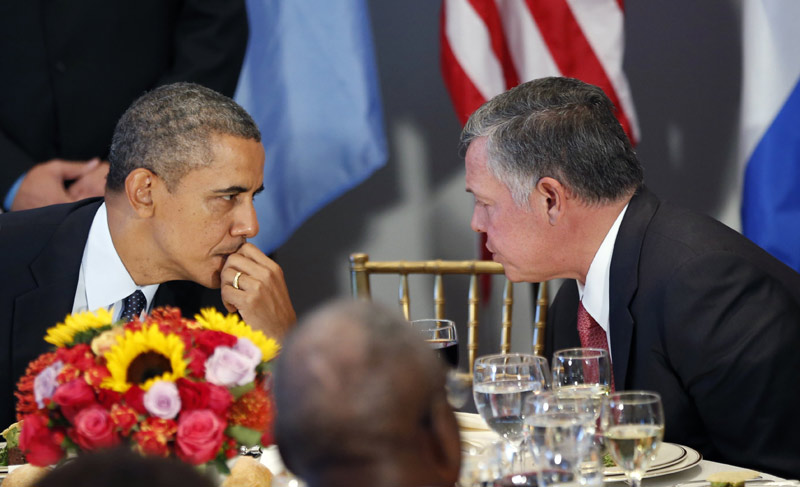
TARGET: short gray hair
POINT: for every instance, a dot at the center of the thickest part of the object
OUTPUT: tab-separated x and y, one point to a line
169	131
557	127
352	382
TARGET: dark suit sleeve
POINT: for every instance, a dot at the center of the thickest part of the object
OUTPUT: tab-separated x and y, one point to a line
14	161
210	42
731	333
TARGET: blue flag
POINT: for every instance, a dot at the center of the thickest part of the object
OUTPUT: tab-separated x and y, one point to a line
309	80
770	138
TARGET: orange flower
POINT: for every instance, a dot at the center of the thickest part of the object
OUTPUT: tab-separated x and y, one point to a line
26	402
253	410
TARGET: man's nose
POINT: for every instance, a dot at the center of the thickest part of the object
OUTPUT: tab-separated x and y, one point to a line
246	224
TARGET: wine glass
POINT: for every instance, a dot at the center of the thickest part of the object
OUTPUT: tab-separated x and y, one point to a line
501	383
633	426
584	372
441	335
562	431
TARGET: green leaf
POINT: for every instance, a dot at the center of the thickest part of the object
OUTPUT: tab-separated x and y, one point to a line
221	465
244	435
240	391
264	368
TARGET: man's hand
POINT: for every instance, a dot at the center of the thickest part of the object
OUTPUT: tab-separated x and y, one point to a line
92	183
44	184
262	298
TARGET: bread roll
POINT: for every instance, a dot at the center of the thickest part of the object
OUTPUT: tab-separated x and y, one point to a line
246	472
24	476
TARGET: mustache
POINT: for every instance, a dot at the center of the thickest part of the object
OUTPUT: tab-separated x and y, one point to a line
232	249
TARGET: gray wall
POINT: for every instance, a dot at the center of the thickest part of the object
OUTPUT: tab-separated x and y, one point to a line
683	63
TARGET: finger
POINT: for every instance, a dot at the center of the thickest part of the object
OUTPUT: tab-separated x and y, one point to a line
255	254
74	170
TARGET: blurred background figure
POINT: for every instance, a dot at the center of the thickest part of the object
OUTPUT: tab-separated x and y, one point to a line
124	468
361	401
72	68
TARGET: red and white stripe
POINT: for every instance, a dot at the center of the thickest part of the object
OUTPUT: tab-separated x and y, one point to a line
489	46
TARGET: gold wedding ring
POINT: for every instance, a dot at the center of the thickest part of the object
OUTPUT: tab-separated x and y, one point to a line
236	280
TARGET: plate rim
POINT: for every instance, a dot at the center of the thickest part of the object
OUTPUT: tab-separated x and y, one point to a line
687	463
674	461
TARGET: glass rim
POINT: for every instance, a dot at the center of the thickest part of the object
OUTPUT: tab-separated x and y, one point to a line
434	320
580	353
484	358
643	396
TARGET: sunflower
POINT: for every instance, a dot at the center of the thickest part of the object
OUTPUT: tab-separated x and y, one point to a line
142	357
79	328
211	319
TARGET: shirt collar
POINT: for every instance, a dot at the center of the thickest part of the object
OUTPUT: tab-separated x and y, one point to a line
595	293
106	278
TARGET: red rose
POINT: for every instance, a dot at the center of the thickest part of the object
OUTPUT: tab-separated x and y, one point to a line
219	399
93	429
197	361
73	396
208	340
124	418
107	397
199	436
135	399
40	445
194	395
151	443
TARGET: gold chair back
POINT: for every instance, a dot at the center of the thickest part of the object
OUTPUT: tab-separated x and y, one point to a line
361	268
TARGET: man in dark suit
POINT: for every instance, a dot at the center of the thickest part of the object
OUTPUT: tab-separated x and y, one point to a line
371	413
71	68
690	308
186	163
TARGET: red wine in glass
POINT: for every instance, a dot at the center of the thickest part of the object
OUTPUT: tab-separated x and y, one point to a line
447	350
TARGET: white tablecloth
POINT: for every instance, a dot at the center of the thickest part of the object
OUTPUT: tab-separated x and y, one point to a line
701	471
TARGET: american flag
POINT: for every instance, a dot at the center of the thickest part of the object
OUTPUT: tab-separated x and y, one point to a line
489	46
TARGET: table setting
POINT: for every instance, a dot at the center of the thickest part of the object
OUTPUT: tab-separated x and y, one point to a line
540	423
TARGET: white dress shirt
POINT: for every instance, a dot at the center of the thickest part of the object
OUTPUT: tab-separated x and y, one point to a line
594	294
103	281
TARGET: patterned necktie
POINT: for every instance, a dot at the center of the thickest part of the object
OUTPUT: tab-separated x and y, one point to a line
592	334
133	305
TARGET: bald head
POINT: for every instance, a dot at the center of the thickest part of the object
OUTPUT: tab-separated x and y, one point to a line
354	385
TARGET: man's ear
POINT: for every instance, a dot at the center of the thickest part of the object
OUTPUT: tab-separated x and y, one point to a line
552	194
139	187
444	428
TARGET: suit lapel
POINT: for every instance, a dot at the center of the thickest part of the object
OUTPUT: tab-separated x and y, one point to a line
53	279
624	279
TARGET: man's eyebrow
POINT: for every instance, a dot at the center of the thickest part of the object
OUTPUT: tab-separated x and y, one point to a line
230	189
236	189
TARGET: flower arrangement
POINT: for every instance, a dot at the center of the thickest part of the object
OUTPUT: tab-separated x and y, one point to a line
196	389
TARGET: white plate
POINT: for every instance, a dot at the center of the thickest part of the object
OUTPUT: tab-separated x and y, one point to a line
664	464
747	483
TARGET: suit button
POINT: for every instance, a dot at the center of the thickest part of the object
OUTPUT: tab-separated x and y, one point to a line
60	66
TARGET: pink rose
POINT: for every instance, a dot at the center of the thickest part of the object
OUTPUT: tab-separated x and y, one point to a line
199	436
40	445
93	428
228	367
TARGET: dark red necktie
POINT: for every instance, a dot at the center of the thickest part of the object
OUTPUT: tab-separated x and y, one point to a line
592	334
